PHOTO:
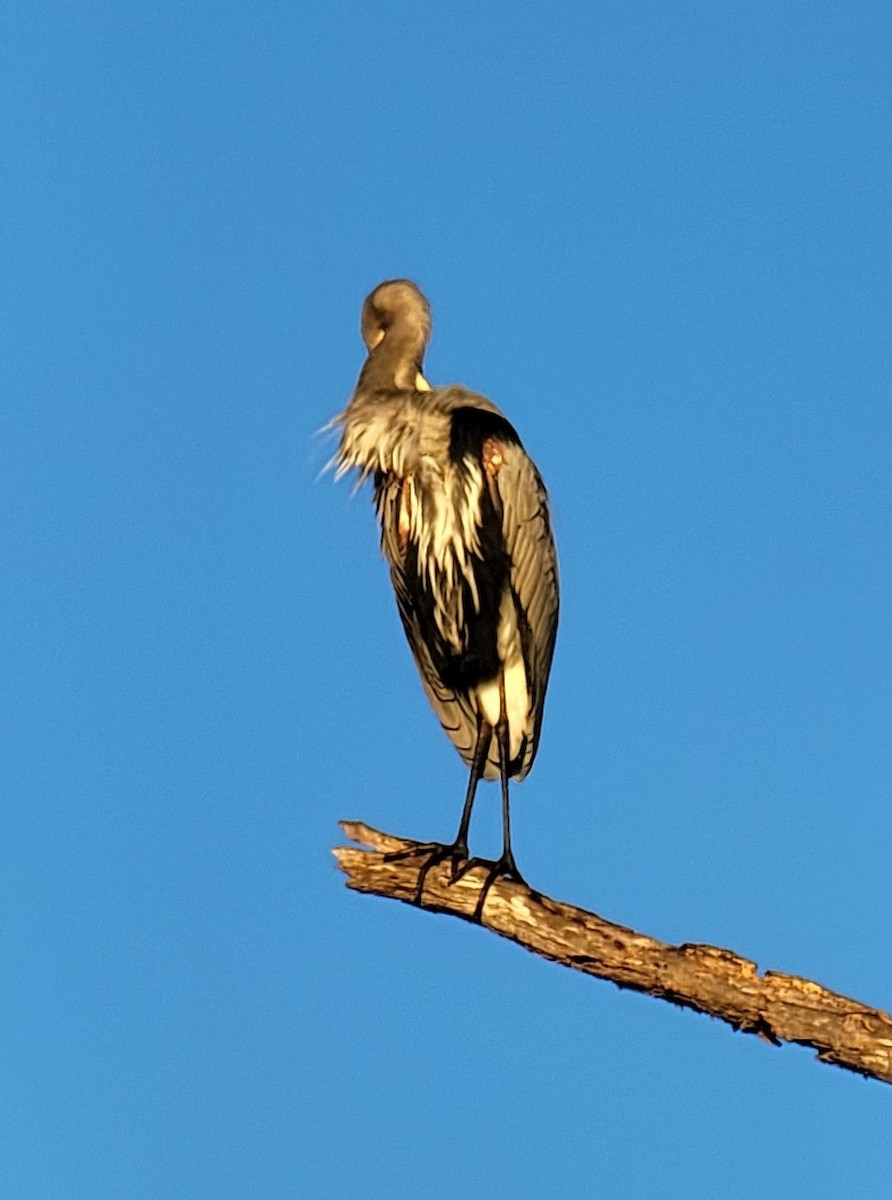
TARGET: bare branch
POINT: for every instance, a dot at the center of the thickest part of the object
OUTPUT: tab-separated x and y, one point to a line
777	1007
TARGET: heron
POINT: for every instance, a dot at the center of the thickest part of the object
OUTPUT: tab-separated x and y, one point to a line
466	531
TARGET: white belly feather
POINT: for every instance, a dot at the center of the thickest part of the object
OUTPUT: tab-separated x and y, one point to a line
517	693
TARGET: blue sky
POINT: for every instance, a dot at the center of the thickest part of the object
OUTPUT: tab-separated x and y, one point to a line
658	236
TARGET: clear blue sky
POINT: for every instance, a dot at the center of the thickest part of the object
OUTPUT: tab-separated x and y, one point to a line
659	237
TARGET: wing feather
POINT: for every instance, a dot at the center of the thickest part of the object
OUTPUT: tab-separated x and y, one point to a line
526	530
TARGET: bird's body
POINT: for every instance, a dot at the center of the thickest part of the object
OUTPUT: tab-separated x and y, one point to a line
465	529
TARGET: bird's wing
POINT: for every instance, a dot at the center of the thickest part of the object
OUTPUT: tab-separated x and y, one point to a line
453	709
519	507
520	498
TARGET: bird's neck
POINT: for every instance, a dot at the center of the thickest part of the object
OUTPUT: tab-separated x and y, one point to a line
393	363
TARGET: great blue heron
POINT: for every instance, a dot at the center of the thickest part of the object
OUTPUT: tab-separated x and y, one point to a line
465	528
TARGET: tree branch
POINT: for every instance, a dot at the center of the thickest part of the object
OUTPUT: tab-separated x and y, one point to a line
777	1007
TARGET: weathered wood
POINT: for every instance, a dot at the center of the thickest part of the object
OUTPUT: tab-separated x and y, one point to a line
777	1007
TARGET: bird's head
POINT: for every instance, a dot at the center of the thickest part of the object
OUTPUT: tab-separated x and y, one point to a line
396	310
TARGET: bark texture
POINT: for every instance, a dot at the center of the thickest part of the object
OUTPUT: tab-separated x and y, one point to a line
777	1007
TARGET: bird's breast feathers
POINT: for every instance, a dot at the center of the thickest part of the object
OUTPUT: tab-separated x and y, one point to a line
435	458
391	432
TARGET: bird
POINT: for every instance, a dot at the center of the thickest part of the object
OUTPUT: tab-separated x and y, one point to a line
466	531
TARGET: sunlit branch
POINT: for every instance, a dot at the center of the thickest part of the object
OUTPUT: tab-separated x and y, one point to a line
776	1007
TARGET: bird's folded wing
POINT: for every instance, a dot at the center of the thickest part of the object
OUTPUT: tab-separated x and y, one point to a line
520	498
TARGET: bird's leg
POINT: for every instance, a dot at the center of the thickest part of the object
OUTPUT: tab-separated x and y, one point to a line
504	867
458	850
484	737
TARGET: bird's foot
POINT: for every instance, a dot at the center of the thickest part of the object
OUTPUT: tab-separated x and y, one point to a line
416	850
503	868
455	852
